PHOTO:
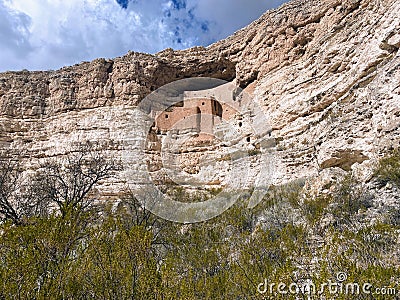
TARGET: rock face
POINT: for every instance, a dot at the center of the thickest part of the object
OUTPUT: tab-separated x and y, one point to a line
326	73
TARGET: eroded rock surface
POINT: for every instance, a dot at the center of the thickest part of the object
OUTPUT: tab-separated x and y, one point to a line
326	73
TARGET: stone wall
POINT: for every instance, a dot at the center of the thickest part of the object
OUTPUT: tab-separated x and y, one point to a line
179	119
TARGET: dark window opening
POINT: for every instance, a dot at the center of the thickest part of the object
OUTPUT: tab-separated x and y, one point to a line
248	139
240	124
178	104
217	108
166	116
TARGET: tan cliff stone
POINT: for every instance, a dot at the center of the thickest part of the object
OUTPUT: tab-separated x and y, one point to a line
326	73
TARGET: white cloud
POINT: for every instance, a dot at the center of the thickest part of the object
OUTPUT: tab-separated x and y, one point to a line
231	15
14	35
48	34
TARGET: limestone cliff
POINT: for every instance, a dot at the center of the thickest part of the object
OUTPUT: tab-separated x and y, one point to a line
326	73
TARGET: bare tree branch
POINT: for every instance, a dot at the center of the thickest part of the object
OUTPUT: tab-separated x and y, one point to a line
69	182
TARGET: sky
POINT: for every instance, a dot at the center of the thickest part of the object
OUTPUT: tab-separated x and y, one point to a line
50	34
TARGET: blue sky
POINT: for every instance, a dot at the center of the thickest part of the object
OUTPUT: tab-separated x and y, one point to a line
49	34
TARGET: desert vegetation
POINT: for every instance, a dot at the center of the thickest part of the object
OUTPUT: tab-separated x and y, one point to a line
58	242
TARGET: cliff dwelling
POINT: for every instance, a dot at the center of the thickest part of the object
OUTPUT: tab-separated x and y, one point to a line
196	115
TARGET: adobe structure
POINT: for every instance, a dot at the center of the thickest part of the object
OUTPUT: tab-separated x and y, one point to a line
194	115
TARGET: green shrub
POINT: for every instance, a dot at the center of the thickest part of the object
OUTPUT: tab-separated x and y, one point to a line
348	199
388	169
315	208
128	253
